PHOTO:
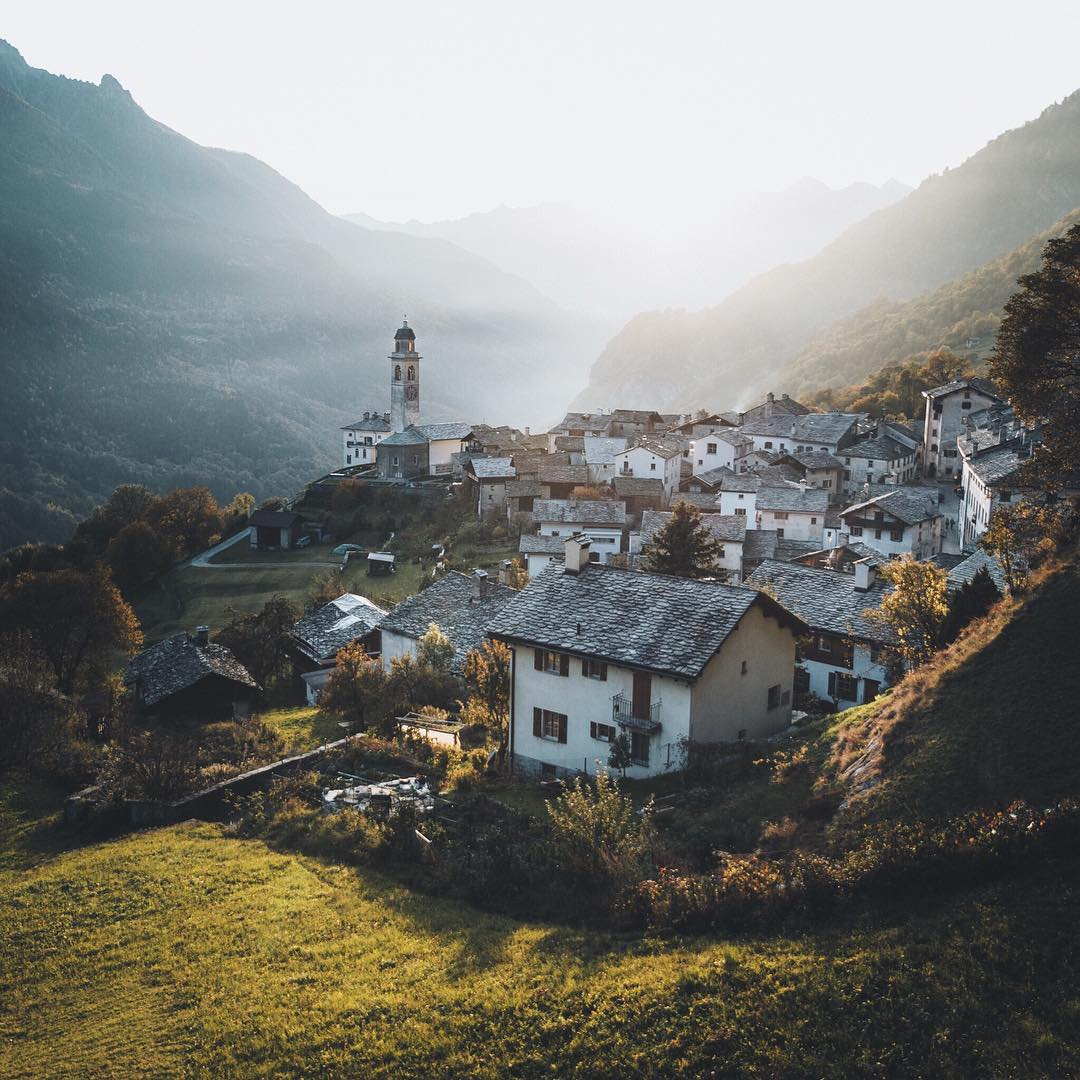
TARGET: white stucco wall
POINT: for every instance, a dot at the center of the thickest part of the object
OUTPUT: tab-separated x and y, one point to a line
731	502
395	645
862	667
797	525
606	541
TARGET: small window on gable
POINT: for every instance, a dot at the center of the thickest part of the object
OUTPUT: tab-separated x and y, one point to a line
774	696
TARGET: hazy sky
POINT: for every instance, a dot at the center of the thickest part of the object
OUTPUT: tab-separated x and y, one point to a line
435	109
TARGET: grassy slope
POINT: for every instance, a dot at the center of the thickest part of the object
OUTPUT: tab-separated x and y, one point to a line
991	719
179	951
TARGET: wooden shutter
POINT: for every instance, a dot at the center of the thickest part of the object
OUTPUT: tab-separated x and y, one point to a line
832	684
537	721
538	659
592	729
562	729
564	667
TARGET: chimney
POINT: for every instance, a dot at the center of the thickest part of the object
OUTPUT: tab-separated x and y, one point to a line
802	484
576	550
480	584
367	415
527	433
865	575
202	635
770	397
505	570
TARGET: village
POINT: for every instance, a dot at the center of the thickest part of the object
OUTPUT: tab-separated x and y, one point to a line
612	664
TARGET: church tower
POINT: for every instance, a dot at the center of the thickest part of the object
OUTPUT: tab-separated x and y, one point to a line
404	379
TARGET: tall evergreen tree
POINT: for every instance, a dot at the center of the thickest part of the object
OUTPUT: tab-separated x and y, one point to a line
685	547
971	601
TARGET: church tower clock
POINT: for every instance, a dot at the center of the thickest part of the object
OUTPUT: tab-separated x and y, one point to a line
404	379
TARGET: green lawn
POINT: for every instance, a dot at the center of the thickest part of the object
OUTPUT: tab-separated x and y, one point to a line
183	952
303	728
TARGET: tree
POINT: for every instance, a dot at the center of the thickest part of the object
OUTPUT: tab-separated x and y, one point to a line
597	839
189	518
435	649
127	504
915	610
238	510
1019	534
326	587
413	683
1036	359
685	547
487	674
621	755
971	601
356	689
78	620
260	641
137	553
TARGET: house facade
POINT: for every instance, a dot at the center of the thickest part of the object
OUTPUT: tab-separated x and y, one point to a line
947	408
842	659
786	434
652	458
879	460
602	520
720	448
360	438
599	652
905	521
487	479
728	532
795	511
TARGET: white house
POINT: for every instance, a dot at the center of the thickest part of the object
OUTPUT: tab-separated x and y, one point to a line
904	521
600	519
599	652
817	467
650	457
878	460
361	438
729	532
842	660
487	478
786	434
599	453
989	479
737	495
795	511
539	551
460	605
720	448
947	407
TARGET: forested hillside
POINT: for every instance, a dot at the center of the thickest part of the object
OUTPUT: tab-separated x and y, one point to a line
1015	188
171	313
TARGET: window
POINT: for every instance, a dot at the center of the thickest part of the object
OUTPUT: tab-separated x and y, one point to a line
594	669
824	644
774	696
826	483
1006	496
740	511
395	461
802	681
710	448
768	446
779	534
785	698
813	521
843	687
652	466
780	515
397	373
856	530
602	732
877	534
741	495
745	667
555	663
639	748
896	536
348	459
547	772
549	725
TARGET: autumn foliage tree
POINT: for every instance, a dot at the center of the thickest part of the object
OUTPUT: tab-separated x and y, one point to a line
685	547
487	675
189	519
1021	534
356	689
260	640
916	608
137	553
77	619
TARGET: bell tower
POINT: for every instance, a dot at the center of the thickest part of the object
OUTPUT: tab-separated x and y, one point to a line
404	379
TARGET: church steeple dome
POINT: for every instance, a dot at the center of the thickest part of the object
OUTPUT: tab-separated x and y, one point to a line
404	379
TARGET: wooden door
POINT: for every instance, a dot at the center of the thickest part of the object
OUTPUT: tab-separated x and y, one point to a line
642	695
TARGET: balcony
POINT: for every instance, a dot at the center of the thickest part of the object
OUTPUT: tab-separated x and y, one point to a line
624	714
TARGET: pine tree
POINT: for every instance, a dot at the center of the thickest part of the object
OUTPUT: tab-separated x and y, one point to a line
970	602
685	547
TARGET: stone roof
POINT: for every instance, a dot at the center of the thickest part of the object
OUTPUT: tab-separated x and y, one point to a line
524	488
723	527
826	600
274	519
654	446
998	464
961	574
732	436
903	503
815	459
900	430
601	449
450	604
712	477
593	423
765	544
704	500
179	663
637	416
563	474
369	423
435	432
792	497
333	626
534	544
813	427
670	625
581	511
778	475
778	405
638	485
572	443
984	386
740	482
492	468
409	437
880	447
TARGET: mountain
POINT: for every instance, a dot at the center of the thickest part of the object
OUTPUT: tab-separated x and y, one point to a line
1015	187
962	315
594	262
172	313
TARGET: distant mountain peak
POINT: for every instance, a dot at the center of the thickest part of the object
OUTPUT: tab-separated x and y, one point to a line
112	86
